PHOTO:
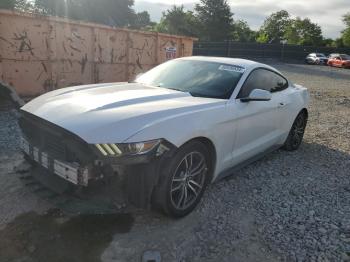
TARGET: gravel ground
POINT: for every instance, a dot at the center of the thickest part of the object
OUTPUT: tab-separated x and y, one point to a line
288	206
9	132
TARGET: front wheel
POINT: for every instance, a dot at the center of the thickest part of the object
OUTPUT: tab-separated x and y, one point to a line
296	134
183	181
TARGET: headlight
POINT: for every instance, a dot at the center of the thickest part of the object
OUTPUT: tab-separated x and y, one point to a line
127	148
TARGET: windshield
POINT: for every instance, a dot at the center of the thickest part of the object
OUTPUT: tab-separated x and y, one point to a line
199	78
345	57
320	55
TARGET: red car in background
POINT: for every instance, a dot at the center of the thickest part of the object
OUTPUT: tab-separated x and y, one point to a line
339	60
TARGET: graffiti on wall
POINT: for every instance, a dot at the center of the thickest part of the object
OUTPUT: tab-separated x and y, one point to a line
39	54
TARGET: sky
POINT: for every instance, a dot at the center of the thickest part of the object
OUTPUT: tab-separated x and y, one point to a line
326	13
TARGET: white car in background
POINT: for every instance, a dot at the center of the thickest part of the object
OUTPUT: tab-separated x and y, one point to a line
171	132
316	59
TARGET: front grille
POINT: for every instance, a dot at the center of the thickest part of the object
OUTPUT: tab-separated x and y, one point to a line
53	146
45	137
56	141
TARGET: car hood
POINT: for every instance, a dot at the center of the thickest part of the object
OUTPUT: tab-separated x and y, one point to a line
111	113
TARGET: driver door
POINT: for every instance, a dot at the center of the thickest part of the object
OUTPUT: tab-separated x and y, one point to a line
258	127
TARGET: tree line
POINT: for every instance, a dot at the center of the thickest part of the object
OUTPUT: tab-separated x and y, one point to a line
211	20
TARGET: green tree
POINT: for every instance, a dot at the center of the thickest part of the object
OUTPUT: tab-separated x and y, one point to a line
274	27
55	7
346	19
110	12
241	32
7	4
346	32
303	32
142	20
338	42
329	42
20	5
262	38
215	18
178	21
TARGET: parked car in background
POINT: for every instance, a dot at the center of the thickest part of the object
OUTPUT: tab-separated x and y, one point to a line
174	130
316	59
331	55
339	60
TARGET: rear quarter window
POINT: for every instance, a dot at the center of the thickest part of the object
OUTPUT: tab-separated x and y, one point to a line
263	79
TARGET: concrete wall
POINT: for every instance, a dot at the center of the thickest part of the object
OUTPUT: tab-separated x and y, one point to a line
39	54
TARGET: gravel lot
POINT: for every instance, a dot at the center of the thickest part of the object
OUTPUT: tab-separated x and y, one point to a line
288	206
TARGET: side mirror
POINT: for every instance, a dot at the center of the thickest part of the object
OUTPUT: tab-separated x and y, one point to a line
257	95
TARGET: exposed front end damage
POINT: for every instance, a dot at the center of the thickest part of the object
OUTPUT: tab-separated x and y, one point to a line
58	152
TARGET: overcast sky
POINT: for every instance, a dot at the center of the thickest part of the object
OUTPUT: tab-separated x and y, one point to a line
327	13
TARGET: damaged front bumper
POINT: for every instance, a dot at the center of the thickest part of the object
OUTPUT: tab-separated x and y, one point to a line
136	176
64	156
71	172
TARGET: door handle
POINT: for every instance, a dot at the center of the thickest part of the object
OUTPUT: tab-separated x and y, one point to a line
281	104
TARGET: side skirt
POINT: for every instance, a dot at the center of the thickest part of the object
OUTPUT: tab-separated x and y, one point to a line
235	168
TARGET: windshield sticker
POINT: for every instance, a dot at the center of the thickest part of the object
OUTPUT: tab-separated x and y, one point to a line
232	68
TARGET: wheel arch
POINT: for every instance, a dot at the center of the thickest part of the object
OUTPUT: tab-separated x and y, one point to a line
208	143
305	111
159	189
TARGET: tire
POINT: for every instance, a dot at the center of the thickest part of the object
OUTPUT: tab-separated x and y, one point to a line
296	133
181	185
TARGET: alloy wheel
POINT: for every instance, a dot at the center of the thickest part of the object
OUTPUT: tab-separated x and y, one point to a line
298	130
188	180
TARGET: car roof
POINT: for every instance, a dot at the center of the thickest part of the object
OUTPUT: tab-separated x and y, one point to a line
247	64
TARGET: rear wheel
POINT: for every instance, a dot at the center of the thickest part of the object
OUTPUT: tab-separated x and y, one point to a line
296	133
183	181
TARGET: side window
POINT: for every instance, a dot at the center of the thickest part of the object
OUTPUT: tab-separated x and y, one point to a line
263	79
279	83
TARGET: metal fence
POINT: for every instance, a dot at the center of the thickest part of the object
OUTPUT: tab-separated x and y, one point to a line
261	51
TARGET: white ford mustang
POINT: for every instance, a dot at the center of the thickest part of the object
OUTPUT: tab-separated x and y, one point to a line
176	128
